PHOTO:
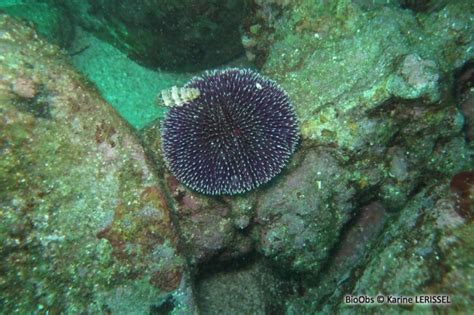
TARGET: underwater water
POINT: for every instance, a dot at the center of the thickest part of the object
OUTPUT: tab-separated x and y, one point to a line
236	157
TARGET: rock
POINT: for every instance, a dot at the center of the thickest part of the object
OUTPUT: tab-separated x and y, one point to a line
462	186
416	78
211	228
335	70
378	120
85	227
410	256
421	250
182	35
349	255
465	96
250	288
300	218
49	20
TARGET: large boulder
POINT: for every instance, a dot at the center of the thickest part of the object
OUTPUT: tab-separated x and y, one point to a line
85	226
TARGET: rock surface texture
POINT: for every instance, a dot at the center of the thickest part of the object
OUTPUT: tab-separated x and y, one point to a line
85	227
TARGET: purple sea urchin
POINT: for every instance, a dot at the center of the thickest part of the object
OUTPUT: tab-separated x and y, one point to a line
236	135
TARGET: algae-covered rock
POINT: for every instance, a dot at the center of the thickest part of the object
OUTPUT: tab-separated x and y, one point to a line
83	220
352	65
250	288
211	229
376	92
416	78
300	218
422	250
376	89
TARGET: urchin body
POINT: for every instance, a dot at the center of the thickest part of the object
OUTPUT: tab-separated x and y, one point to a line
237	134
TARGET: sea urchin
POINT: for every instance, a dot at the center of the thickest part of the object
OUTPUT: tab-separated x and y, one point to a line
237	133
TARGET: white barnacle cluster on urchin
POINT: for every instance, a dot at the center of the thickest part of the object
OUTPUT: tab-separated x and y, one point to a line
178	96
